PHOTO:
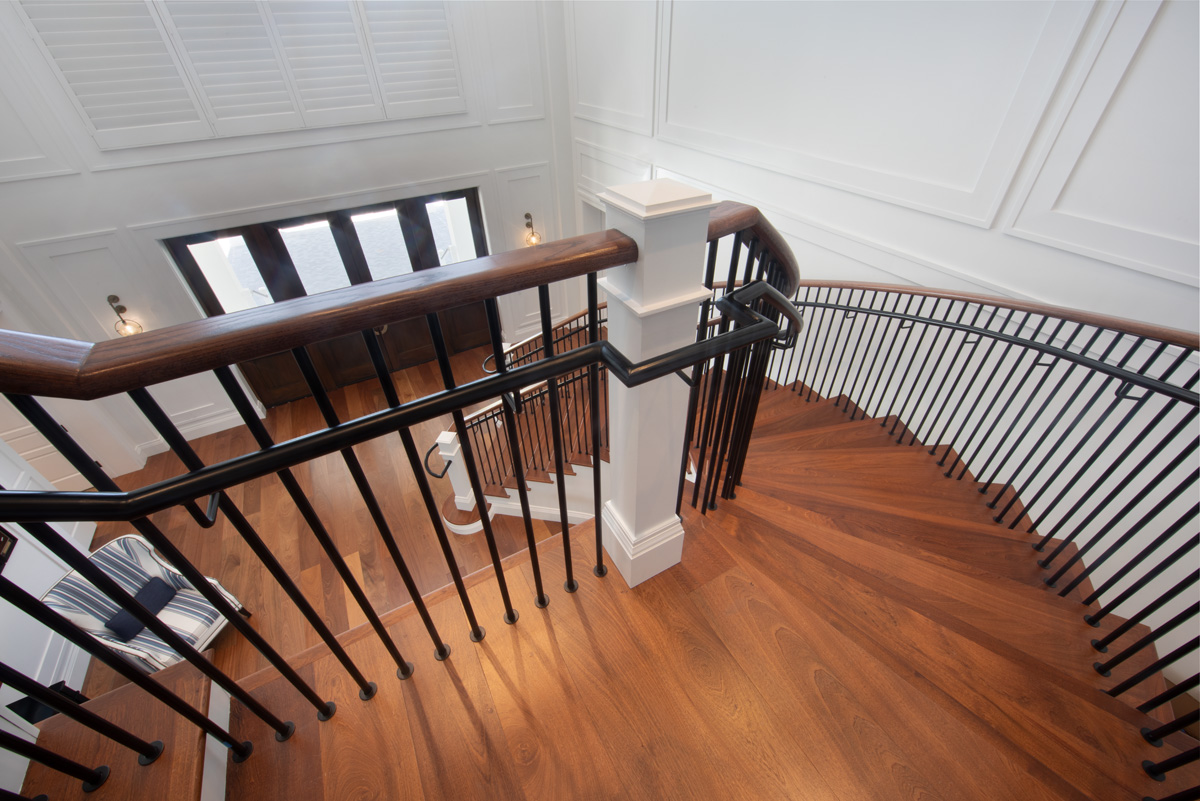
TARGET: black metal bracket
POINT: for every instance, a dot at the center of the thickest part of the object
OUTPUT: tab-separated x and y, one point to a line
685	378
208	518
429	469
1122	392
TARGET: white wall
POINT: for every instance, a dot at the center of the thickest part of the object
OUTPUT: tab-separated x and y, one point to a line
1045	151
83	220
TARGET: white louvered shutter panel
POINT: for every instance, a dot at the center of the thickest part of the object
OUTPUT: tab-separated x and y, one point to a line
124	78
413	46
234	60
326	55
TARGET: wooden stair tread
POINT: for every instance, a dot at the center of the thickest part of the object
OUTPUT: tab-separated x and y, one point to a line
176	774
742	652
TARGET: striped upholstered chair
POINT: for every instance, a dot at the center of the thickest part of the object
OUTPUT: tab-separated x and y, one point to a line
133	564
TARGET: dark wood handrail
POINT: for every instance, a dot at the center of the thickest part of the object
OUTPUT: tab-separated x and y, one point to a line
1171	336
46	366
62	368
729	217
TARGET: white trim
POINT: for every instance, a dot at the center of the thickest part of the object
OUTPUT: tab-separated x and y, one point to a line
640	558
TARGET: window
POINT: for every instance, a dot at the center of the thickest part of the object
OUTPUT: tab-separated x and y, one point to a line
241	268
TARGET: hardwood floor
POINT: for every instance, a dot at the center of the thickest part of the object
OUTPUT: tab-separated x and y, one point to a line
220	552
847	628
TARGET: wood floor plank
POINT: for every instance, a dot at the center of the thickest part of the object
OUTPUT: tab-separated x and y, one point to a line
871	734
556	751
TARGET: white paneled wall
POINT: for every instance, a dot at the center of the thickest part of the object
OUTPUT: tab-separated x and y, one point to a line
1044	150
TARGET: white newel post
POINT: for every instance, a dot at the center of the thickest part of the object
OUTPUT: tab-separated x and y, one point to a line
652	309
451	452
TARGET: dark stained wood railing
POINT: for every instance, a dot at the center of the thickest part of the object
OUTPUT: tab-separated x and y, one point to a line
50	367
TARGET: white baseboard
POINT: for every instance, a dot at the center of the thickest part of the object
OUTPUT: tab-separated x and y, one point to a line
641	557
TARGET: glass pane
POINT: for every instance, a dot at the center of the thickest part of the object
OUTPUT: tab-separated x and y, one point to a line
316	257
231	273
451	226
382	243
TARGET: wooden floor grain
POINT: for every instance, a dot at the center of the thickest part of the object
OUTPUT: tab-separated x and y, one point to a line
847	628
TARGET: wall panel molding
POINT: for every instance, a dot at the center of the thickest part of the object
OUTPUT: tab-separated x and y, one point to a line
1040	214
593	61
508	37
976	203
879	256
598	168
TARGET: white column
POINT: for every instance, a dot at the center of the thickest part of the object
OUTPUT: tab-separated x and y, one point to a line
652	309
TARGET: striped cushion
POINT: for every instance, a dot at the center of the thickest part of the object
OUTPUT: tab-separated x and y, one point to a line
130	563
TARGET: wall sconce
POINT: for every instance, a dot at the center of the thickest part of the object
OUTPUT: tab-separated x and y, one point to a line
533	237
124	326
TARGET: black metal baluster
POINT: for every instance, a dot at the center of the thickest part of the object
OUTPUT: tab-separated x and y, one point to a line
1133	530
192	462
856	351
92	778
718	387
900	357
961	455
95	475
733	381
862	400
836	339
58	545
1139	585
1051	398
809	304
570	585
147	752
946	396
1143	553
1155	736
925	386
1137	617
912	388
1105	668
31	606
300	499
1116	490
593	329
980	370
1089	437
1159	770
1120	459
870	398
1190	794
828	314
1013	394
441	649
510	425
1186	649
1166	696
460	426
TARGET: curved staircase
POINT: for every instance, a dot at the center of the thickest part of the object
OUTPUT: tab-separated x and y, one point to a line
851	626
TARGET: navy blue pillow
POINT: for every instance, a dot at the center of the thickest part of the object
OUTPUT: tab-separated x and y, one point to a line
154	596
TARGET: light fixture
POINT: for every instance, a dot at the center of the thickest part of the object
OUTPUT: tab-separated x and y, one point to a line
533	237
124	326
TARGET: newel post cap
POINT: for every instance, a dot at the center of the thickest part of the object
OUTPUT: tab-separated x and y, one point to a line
661	197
